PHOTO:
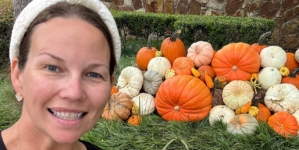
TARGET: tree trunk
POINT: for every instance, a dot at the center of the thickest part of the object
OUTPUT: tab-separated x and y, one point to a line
18	6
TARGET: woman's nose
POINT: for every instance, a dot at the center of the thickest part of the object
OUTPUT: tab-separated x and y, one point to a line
73	89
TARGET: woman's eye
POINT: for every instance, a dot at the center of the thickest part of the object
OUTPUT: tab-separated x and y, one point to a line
94	75
53	68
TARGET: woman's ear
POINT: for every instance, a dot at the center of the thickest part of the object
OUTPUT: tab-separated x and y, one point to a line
16	76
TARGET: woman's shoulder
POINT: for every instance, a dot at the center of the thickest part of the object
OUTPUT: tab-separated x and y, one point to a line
2	146
90	146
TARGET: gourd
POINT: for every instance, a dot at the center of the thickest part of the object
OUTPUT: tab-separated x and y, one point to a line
237	93
201	53
206	69
260	46
114	90
182	66
291	62
264	113
118	107
284	71
145	102
284	124
273	56
145	54
220	82
172	47
269	76
183	98
160	65
236	61
169	73
151	81
282	97
297	55
221	113
135	120
242	124
293	78
130	81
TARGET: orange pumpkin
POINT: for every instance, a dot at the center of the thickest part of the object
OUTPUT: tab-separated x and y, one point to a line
206	69
236	61
258	47
172	47
145	54
293	78
264	113
291	62
183	98
284	124
182	66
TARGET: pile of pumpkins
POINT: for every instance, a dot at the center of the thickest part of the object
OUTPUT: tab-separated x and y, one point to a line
179	85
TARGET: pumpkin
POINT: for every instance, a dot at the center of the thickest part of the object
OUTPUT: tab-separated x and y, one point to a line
118	107
282	97
293	78
182	66
169	73
145	54
183	98
135	120
237	93
221	113
296	115
269	76
172	47
297	55
160	65
130	81
201	53
284	124
220	82
242	124
206	69
145	102
284	71
151	81
273	56
236	61
114	90
260	46
264	113
291	62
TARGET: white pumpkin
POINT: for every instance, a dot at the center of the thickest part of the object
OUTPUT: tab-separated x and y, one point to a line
297	55
201	53
296	115
237	93
221	113
145	103
282	97
130	81
151	81
160	65
273	56
242	124
269	76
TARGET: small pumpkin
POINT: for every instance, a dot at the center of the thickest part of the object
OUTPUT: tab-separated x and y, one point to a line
201	53
284	71
237	93
182	66
221	113
260	46
172	47
169	73
263	114
291	62
284	124
151	81
114	90
160	65
135	120
282	97
118	107
145	102
236	61
145	54
273	56
296	115
269	76
242	124
297	55
220	82
293	78
130	81
183	98
206	69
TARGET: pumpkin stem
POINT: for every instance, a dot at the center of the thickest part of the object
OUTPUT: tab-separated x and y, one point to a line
263	36
174	35
294	73
149	40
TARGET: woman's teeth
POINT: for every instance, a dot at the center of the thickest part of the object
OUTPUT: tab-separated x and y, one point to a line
67	115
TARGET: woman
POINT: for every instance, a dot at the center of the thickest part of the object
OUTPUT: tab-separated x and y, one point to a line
63	56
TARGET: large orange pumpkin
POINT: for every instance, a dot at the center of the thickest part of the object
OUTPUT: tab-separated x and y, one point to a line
291	62
293	78
183	98
284	123
172	47
182	66
236	61
145	54
258	47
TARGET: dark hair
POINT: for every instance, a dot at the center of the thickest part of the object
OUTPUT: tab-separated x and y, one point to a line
66	10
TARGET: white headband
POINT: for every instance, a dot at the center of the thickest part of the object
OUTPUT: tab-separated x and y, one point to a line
30	12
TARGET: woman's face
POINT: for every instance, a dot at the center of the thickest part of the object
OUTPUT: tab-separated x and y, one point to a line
66	83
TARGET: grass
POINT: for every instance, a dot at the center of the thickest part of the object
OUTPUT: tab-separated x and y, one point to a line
154	132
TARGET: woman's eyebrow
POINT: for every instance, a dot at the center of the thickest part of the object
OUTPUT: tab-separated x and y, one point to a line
51	55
